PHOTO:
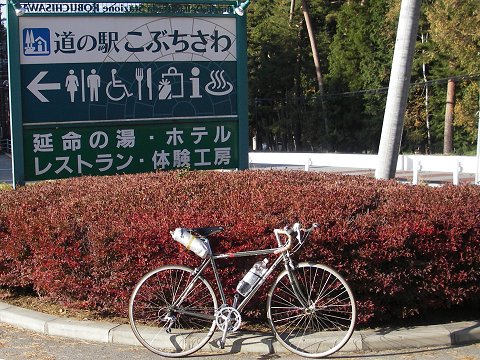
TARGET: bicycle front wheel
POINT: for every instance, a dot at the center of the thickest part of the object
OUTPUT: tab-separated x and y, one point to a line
314	313
170	314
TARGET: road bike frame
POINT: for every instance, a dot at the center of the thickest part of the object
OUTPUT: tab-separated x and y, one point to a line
310	307
284	255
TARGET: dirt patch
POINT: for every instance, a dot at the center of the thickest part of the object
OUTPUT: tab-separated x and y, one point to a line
24	299
30	301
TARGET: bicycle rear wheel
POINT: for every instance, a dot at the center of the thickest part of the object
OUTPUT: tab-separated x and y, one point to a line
323	322
162	322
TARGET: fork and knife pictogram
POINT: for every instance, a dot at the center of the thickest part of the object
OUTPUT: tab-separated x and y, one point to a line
139	76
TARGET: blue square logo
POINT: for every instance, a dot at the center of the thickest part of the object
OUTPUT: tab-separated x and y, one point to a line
36	42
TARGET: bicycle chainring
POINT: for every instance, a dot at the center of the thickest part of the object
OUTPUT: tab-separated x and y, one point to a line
228	313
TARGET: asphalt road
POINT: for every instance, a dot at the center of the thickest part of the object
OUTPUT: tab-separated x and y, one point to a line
18	344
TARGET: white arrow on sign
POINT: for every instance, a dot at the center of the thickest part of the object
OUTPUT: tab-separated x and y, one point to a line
35	87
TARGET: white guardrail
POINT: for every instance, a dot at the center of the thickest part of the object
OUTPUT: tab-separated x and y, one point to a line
454	165
5	147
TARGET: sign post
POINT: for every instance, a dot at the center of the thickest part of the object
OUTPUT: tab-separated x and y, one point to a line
102	88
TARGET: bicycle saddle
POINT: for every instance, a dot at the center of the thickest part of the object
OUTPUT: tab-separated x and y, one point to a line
207	230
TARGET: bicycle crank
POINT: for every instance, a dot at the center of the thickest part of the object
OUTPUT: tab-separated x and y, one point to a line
228	318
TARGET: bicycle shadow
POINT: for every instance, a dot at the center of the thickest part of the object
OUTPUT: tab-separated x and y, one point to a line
383	342
246	342
451	334
466	335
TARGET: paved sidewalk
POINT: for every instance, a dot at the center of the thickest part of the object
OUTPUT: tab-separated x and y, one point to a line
431	178
246	342
5	169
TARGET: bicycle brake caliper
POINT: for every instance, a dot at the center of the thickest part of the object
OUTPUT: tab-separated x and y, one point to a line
292	264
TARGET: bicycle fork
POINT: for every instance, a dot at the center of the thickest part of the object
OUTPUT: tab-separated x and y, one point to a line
291	268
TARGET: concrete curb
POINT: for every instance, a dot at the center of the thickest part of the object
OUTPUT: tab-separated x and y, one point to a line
246	342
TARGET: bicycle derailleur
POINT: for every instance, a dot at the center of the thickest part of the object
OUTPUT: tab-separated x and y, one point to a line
170	319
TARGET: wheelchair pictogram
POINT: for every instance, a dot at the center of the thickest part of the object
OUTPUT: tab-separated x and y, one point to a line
117	84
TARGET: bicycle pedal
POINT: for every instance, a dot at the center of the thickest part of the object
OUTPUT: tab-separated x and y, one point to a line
220	344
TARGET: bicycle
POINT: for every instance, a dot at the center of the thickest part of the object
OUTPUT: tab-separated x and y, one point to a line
173	310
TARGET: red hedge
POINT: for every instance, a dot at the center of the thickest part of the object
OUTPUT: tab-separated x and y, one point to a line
86	241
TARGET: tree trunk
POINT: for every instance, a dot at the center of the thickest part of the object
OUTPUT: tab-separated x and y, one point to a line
398	89
298	93
449	111
292	9
428	147
316	61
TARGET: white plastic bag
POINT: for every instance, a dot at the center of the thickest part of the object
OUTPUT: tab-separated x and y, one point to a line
191	242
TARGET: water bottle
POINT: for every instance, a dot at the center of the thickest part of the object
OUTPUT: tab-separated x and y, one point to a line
252	277
190	241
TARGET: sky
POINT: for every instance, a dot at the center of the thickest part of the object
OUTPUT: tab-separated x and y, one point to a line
2	2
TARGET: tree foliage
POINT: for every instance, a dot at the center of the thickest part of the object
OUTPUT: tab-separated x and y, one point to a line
355	40
455	27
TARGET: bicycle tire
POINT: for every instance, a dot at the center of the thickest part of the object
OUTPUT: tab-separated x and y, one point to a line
326	324
151	311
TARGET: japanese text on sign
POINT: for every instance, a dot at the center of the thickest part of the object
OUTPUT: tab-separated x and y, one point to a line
171	149
83	39
68	42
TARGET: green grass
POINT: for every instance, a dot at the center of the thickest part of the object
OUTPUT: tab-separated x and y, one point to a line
5	186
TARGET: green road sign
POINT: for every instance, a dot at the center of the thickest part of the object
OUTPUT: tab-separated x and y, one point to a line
106	89
124	148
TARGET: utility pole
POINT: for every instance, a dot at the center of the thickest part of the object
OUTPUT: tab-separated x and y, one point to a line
449	110
4	114
398	89
477	175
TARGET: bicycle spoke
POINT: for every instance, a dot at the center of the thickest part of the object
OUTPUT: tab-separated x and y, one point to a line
287	290
163	307
292	324
285	301
325	324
